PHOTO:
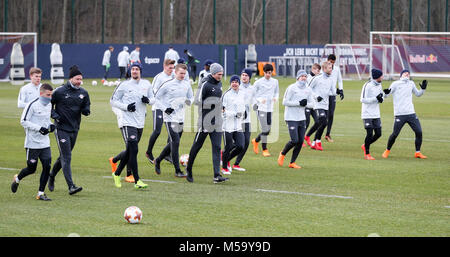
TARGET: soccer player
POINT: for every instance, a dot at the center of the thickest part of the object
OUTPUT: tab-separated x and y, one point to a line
30	91
315	70
321	86
171	54
205	72
249	91
296	98
174	95
113	160
69	102
36	121
106	62
266	94
234	113
210	122
158	107
132	97
123	60
192	63
404	112
134	55
336	78
371	97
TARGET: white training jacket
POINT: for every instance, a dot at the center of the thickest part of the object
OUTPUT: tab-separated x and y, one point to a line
321	85
172	55
370	108
249	93
34	116
203	74
266	90
123	59
134	56
291	100
158	81
27	93
132	91
402	91
106	57
336	78
175	94
233	102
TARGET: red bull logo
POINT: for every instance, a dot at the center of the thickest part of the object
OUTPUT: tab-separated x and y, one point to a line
423	58
432	58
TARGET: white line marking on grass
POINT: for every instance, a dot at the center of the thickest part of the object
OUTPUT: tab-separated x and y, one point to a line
300	193
150	180
2	168
447	206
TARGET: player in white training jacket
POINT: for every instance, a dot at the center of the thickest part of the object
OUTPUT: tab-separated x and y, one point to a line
402	91
337	78
30	91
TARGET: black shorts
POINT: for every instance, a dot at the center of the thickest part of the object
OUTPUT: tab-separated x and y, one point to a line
372	123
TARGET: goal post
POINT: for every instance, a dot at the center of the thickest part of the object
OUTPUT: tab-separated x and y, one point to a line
424	54
28	43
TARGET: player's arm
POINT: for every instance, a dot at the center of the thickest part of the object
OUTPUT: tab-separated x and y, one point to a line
116	99
26	116
276	92
364	99
287	99
423	87
21	99
86	106
189	96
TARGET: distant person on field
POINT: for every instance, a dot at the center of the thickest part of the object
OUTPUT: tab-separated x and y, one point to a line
106	62
315	70
192	64
171	54
134	55
36	121
30	91
402	91
123	60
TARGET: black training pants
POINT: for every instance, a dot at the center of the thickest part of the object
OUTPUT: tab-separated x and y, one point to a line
45	155
216	141
66	142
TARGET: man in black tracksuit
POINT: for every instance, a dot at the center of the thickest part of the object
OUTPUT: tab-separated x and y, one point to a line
69	101
210	104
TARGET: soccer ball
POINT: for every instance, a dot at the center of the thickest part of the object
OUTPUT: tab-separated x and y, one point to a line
184	159
105	83
94	83
133	215
111	83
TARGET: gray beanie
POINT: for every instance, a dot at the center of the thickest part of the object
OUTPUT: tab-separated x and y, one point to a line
215	67
301	73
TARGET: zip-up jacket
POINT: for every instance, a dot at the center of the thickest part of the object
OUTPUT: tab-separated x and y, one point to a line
402	96
175	94
34	116
291	100
68	104
266	90
210	104
27	93
233	102
321	85
158	81
249	93
370	107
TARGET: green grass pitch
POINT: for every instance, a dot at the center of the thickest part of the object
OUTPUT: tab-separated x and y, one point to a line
336	193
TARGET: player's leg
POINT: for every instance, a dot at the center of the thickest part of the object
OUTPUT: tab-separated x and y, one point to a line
331	108
294	136
32	159
216	141
301	130
238	144
228	146
157	125
399	122
46	159
322	118
414	123
247	134
199	139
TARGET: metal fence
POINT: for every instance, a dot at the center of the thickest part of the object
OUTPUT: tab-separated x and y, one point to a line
219	21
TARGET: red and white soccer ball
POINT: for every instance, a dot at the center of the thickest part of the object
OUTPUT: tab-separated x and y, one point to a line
184	159
133	215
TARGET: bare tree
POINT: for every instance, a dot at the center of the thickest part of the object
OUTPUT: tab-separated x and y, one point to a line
254	19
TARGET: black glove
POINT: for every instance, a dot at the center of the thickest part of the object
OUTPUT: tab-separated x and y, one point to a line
169	111
303	102
54	115
424	84
145	99
43	131
255	107
245	115
340	92
85	112
319	98
380	97
51	128
387	91
239	115
131	107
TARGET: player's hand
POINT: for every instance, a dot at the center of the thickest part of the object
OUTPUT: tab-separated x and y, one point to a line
145	99
303	102
380	97
51	128
340	92
131	107
239	115
43	131
85	112
319	98
387	91
169	111
424	84
255	107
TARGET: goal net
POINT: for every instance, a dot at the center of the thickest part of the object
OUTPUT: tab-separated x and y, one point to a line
424	54
28	43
